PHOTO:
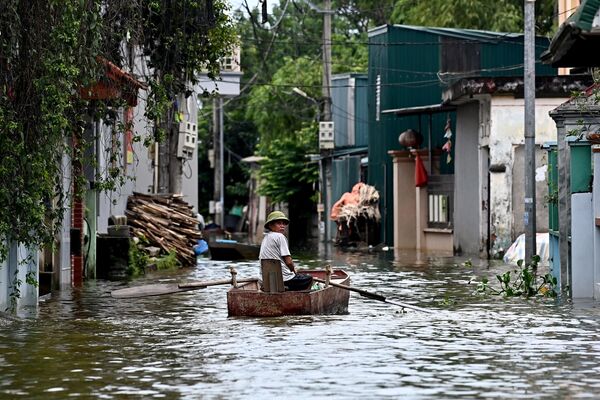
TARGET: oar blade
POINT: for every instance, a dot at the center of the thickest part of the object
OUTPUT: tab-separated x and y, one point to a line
374	296
155	289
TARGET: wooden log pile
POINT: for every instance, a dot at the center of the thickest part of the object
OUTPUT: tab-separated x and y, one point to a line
166	221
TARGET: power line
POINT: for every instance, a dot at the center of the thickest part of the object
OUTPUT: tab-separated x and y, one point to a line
393	44
409	84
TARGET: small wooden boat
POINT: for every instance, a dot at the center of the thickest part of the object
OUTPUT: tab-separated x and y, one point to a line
248	300
232	250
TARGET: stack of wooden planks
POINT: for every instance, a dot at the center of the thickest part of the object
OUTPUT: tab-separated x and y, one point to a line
166	221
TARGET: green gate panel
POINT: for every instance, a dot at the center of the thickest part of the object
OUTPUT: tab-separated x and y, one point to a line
581	167
553	188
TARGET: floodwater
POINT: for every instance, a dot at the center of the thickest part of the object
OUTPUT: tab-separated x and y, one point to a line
85	344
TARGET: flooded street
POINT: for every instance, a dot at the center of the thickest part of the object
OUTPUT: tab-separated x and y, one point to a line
85	344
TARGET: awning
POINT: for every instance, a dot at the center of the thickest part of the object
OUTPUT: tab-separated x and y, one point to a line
115	84
348	151
430	109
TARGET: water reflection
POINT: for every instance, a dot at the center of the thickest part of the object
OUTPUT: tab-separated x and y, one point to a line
86	344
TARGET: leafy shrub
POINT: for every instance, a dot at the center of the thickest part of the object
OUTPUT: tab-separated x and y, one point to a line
522	282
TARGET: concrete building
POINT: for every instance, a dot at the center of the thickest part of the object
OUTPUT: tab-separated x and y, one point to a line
576	246
409	69
489	167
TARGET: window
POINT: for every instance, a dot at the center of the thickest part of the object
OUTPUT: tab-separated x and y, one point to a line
438	209
440	192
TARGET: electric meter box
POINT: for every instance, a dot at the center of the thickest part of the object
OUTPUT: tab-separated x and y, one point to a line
188	137
326	135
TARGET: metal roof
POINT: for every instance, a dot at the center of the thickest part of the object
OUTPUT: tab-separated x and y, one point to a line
545	86
583	17
474	34
350	75
576	42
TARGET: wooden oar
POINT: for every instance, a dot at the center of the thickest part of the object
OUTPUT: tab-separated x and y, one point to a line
158	289
374	296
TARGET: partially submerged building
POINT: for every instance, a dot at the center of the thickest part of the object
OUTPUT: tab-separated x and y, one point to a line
410	69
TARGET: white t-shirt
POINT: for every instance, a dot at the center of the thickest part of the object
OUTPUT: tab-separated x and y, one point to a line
274	246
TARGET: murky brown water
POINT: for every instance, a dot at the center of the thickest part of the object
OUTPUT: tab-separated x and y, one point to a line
86	344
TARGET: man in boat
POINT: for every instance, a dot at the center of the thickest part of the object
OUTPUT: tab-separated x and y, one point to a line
274	246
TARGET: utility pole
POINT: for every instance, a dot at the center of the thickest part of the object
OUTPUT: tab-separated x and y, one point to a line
218	181
325	163
327	61
221	164
529	86
326	115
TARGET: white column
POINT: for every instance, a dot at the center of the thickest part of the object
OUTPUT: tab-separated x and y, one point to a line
596	216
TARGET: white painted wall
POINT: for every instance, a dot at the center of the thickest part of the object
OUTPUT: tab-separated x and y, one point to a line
507	132
64	245
582	242
596	234
27	262
140	171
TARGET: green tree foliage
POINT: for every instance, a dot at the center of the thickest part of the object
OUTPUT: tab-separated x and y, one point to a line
365	14
289	176
49	51
286	161
288	131
275	109
499	15
240	141
286	52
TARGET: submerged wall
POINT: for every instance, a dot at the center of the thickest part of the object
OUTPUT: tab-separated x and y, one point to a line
19	263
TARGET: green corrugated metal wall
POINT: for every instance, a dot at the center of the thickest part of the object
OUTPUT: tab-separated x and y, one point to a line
407	59
342	117
339	107
361	127
346	168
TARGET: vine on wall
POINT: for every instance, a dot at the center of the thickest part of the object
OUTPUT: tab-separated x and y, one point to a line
49	50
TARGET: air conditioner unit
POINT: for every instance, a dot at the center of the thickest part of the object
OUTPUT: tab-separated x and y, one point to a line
326	140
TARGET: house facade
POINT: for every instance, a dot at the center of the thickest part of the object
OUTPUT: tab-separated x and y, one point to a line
489	167
575	247
73	258
409	70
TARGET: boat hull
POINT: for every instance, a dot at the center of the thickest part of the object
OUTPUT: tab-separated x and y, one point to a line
249	301
233	251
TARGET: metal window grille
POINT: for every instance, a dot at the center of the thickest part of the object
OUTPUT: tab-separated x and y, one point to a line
440	193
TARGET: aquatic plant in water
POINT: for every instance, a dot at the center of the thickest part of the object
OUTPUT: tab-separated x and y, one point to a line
522	282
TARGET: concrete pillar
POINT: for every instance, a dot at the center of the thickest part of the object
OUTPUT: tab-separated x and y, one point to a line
564	207
596	216
582	229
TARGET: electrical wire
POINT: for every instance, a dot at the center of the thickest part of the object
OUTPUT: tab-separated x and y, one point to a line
392	84
408	43
189	165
